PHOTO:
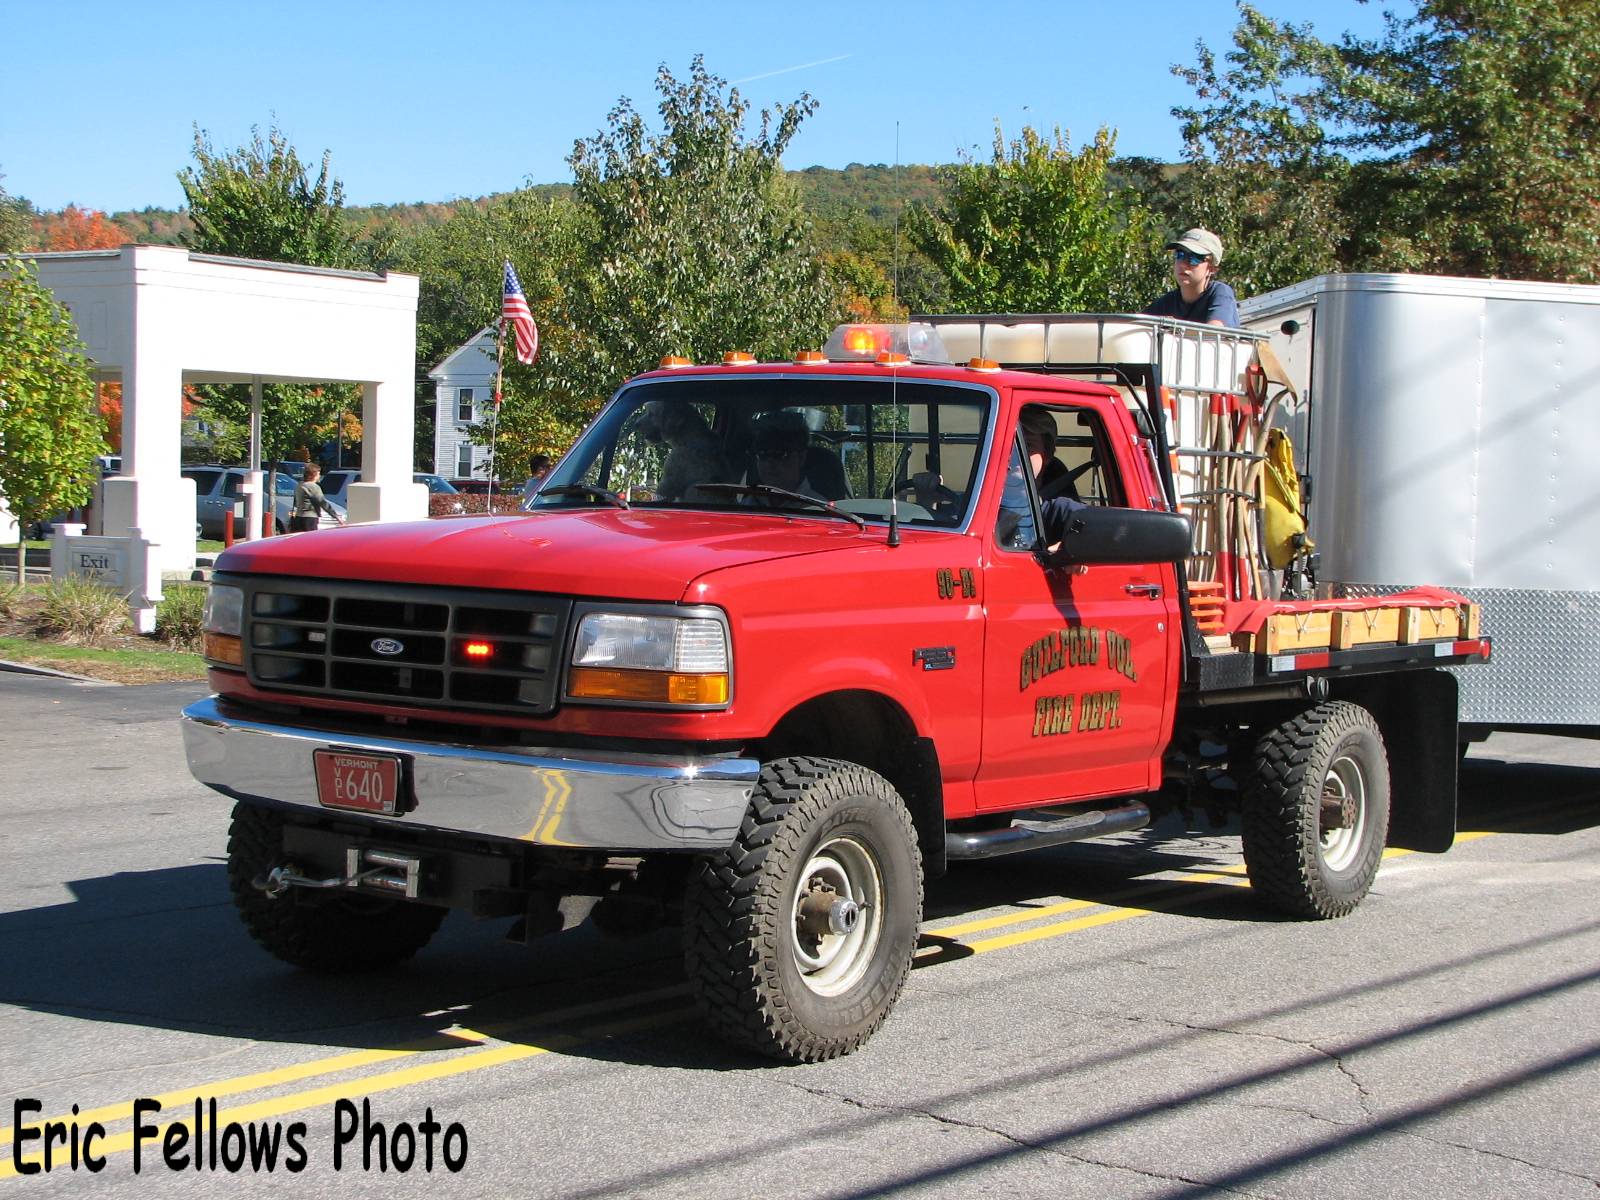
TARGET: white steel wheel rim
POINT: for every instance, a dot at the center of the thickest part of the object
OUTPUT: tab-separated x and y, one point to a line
844	869
1346	785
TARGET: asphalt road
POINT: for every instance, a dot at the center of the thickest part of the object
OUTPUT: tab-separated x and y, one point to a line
1110	1019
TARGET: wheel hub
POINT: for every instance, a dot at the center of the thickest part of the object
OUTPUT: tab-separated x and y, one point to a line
811	916
1338	811
1344	814
836	915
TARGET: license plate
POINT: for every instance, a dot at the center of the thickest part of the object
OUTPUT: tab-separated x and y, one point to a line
359	782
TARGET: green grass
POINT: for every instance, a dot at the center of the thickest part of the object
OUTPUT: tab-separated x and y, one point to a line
120	666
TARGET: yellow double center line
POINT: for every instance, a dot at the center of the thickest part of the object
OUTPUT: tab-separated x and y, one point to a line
1122	905
386	1081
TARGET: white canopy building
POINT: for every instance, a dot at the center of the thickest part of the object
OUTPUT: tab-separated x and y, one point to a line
160	317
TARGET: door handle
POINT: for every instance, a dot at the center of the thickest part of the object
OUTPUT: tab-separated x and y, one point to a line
1153	590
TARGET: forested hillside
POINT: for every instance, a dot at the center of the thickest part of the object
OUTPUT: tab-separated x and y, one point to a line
874	192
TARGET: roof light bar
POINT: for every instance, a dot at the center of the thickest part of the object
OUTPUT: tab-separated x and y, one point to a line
907	342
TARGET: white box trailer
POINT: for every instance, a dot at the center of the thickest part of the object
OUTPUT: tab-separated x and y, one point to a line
1450	435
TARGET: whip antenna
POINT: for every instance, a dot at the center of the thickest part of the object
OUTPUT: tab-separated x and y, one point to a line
894	377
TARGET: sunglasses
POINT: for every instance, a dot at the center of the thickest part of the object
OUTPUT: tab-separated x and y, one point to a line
1184	256
775	455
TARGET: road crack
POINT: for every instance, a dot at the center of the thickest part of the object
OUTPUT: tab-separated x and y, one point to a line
1012	1139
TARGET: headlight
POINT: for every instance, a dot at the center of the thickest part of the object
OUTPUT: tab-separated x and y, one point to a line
224	610
651	658
221	626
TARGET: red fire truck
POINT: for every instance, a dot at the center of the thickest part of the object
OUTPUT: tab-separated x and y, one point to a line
778	642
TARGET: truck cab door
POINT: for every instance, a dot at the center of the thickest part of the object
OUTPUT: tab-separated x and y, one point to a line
1079	661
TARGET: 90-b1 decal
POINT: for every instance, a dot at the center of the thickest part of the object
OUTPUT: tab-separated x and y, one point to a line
1064	649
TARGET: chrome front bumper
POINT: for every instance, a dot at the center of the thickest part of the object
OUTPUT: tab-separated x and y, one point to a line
616	802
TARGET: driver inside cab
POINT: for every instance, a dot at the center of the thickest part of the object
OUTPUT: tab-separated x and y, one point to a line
785	458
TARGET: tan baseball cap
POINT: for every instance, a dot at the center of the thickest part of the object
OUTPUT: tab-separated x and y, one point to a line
1199	241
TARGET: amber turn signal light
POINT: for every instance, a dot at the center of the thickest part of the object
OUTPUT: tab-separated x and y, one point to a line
219	647
647	687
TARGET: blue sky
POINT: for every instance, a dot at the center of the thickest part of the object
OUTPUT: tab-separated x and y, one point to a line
431	101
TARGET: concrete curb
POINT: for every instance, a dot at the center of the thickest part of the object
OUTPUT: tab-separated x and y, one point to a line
50	672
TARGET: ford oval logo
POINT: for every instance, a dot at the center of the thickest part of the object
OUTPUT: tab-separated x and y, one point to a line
387	646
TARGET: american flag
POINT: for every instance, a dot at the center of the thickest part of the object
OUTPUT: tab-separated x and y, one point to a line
514	308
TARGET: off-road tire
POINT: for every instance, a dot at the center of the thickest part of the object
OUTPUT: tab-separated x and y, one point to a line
1298	864
743	948
330	933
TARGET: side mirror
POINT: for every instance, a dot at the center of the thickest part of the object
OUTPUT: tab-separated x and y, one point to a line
1121	535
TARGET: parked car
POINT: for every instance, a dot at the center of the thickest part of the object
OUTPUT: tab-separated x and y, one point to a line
475	487
217	491
335	484
437	484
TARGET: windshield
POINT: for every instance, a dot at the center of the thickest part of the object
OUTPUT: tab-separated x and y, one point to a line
786	443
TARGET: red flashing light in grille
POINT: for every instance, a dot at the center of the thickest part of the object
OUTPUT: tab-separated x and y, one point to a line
477	651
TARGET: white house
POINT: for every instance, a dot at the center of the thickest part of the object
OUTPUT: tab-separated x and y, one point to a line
463	394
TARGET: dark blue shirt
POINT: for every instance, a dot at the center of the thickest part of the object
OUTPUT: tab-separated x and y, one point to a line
1216	303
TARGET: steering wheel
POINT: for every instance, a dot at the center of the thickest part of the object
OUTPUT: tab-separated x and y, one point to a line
937	493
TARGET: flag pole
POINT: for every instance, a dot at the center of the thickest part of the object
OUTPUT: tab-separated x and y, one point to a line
494	417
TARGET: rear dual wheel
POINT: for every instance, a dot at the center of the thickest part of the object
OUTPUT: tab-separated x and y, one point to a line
798	938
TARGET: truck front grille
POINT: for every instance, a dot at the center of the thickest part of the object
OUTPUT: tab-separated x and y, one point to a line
497	651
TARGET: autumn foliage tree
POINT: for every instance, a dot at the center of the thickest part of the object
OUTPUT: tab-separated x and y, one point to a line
111	414
75	228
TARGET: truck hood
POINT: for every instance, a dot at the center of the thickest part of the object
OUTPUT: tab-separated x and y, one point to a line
637	554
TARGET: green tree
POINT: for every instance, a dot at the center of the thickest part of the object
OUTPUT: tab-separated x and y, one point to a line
696	238
50	428
1040	228
1261	171
460	264
259	201
1472	129
13	222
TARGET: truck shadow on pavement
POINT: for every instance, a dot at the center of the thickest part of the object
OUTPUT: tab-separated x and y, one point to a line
1497	796
164	949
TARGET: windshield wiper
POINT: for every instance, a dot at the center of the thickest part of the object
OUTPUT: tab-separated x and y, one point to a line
767	492
583	489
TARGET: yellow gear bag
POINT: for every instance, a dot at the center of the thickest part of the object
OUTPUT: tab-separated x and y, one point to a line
1282	515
